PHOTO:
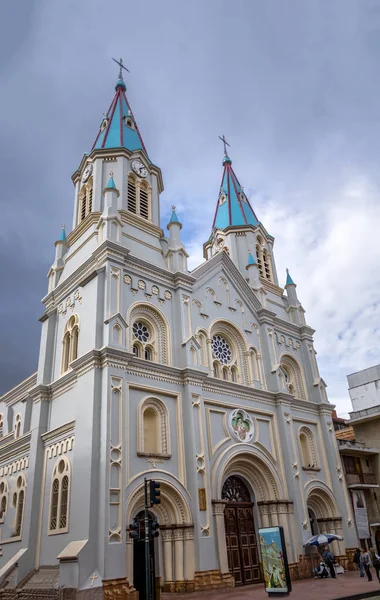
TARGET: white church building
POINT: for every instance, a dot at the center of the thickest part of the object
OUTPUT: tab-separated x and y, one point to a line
205	381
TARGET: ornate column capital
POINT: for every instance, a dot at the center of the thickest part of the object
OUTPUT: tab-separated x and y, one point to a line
178	534
189	533
167	535
218	506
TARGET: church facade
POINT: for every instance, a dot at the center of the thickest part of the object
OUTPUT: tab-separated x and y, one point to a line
205	381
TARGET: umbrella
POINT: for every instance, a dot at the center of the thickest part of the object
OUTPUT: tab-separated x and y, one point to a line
322	539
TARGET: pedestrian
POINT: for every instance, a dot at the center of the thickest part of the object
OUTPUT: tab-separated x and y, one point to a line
357	562
365	560
375	559
329	560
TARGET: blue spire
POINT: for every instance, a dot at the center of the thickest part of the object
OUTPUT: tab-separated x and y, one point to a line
233	208
174	218
289	280
251	260
111	183
62	237
118	128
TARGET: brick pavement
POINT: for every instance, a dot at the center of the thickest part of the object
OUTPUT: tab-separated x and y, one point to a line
349	584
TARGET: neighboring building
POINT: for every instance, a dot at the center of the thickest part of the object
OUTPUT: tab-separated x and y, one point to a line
359	447
364	388
205	381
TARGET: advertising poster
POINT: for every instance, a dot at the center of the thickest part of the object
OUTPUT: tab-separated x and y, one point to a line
361	516
274	560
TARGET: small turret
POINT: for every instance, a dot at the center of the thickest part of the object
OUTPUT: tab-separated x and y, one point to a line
110	222
61	247
177	256
290	287
253	273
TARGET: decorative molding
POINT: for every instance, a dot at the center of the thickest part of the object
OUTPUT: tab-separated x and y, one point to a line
61	447
15	466
54	434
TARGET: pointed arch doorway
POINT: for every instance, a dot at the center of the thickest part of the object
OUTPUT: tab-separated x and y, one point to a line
241	538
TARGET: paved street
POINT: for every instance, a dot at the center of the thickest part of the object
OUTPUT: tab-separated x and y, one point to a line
349	584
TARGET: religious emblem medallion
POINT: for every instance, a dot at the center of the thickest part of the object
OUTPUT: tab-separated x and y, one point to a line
241	425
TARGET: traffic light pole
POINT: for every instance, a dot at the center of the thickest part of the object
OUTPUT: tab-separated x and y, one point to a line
147	552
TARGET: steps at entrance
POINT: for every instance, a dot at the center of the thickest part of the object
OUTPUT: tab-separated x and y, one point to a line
37	585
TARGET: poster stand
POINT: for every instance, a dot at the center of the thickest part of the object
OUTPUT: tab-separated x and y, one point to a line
275	562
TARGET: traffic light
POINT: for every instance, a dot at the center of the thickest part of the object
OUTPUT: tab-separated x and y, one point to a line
154	528
134	529
154	492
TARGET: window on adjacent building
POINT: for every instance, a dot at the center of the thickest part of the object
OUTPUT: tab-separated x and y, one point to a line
3	499
17	430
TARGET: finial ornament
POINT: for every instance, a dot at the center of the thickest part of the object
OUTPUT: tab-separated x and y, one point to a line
111	173
173	207
63	226
225	144
120	63
287	271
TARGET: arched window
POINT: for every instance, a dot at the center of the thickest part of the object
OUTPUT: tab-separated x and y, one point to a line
307	449
150	418
17	430
153	425
132	196
144	200
18	503
267	265
255	374
85	200
259	255
70	342
148	333
228	353
293	377
1	423
117	334
3	499
138	196
59	497
201	336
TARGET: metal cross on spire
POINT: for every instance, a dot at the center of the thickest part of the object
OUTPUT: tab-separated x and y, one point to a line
225	143
120	63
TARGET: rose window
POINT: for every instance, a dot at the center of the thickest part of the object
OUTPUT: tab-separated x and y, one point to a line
221	350
141	332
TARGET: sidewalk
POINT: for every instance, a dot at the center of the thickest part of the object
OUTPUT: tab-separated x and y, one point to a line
349	584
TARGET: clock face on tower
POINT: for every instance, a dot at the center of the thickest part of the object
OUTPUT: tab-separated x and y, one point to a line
87	173
139	168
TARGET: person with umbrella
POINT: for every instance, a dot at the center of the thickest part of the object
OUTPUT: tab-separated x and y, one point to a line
329	560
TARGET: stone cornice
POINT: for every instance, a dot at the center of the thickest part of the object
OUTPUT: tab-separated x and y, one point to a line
272	287
137	266
115	153
91	219
141	223
266	316
221	260
58	433
16	447
20	391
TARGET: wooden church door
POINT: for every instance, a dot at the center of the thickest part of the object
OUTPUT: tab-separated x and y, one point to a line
241	540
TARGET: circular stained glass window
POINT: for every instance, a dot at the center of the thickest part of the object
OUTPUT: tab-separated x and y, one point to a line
140	331
221	350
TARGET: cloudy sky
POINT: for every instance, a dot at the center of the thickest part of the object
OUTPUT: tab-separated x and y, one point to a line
293	85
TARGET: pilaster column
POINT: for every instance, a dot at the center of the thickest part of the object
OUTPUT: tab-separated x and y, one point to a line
273	515
283	517
178	554
218	507
130	560
167	537
189	554
339	531
264	513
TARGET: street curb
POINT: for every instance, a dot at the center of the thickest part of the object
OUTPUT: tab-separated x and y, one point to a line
360	596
